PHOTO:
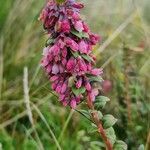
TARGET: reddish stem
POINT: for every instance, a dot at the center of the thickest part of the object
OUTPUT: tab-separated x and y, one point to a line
95	118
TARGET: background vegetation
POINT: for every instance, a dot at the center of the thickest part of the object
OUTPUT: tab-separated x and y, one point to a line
43	122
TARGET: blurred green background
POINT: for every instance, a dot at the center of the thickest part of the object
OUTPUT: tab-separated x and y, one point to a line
123	53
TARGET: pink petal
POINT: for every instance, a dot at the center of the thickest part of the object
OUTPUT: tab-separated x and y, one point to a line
71	64
62	97
64	62
72	44
91	96
79	26
54	50
86	28
65	26
61	68
54	85
53	78
45	51
48	68
96	72
94	38
64	88
65	103
73	103
78	5
95	92
55	69
44	62
82	65
79	83
83	47
88	86
64	52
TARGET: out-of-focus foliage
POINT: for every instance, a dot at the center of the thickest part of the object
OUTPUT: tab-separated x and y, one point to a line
123	53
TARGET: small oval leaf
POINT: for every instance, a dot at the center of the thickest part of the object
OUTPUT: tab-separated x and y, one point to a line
108	121
79	91
120	145
110	133
101	101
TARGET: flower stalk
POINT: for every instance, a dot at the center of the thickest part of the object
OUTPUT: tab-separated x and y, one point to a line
97	121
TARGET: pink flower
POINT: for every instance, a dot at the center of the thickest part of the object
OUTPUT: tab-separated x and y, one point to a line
88	86
53	78
92	95
62	97
65	26
61	43
64	62
55	69
61	68
71	64
75	16
64	102
78	25
54	50
73	103
63	59
48	69
85	27
45	51
78	5
64	88
54	85
79	83
82	65
96	72
83	47
72	44
44	62
58	89
64	52
94	38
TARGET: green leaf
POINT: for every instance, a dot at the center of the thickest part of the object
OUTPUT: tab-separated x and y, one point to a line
75	54
100	102
100	115
79	91
141	147
87	57
95	79
110	133
85	35
108	121
99	144
85	113
80	34
92	129
49	42
120	145
76	33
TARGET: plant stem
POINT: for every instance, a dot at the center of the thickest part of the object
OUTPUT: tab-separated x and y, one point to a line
95	118
147	146
127	66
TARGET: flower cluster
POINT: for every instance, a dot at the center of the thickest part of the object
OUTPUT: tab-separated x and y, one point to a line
67	57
